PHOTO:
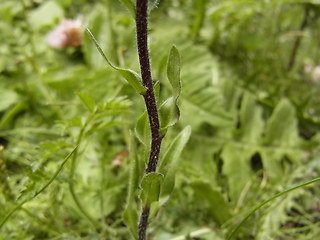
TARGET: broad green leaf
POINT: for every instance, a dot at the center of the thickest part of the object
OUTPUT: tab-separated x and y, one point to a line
282	125
169	111
87	100
169	163
131	218
199	7
169	114
7	98
130	215
151	185
251	122
130	5
48	13
236	166
218	206
142	129
132	77
173	71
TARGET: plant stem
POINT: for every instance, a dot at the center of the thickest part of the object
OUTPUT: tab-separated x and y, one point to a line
149	98
298	40
71	181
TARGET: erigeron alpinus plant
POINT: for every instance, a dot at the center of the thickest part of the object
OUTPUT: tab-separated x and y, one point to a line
157	182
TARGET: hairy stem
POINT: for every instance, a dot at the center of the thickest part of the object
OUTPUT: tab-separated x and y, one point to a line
150	101
298	40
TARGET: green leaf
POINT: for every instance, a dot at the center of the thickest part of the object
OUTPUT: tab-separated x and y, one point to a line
251	122
218	206
236	166
152	4
282	125
130	215
130	6
169	163
150	185
234	231
169	111
48	13
33	191
87	100
156	90
7	98
132	77
173	71
198	17
142	129
10	114
169	114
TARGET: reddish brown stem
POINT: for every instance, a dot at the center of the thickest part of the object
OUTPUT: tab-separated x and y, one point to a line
150	101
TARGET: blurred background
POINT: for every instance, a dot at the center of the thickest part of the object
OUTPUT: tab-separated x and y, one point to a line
250	73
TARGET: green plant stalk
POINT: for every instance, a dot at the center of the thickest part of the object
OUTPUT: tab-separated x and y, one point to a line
42	222
298	39
71	181
251	212
3	221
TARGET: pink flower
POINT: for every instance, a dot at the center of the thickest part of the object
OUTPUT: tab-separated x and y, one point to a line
68	33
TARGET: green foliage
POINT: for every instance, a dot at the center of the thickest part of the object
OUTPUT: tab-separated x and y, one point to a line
169	111
254	123
132	77
150	188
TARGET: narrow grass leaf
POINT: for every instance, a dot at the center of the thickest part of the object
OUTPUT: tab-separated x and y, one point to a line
234	231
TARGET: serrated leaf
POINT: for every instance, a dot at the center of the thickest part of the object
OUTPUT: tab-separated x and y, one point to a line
169	163
87	100
131	76
32	190
150	185
169	111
